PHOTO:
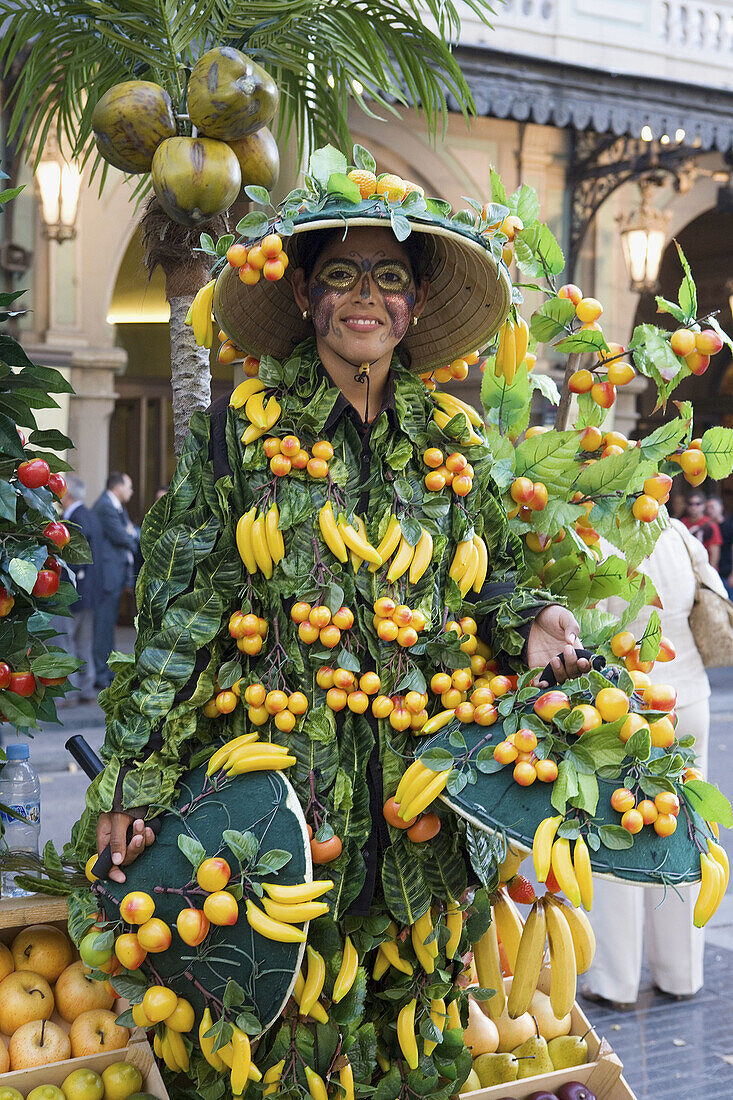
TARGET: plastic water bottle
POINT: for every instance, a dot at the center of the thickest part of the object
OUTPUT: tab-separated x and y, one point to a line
20	789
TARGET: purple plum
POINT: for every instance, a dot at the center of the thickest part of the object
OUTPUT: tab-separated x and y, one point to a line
575	1090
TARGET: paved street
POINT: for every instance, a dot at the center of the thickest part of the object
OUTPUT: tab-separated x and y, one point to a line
670	1049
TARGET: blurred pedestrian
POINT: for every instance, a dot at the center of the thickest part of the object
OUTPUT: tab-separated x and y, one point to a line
677	504
702	527
76	632
120	540
715	511
626	918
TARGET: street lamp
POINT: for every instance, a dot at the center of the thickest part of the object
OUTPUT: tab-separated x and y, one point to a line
58	184
643	236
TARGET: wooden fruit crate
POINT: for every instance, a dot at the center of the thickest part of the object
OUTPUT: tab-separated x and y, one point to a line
601	1073
137	1054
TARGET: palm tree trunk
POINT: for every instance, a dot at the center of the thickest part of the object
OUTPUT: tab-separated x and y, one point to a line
190	371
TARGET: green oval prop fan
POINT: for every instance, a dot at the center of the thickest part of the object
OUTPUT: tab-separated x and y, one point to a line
253	821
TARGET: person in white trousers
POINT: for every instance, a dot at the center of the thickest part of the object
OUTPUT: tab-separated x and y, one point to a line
626	918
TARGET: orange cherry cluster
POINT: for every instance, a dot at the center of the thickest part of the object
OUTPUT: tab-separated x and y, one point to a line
455	471
347	689
317	624
656	492
518	749
287	454
264	259
472	645
624	645
692	463
454	687
510	226
696	347
661	813
284	707
395	622
529	496
457	371
229	353
249	630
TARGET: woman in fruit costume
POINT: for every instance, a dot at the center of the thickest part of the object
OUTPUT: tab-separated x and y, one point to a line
306	577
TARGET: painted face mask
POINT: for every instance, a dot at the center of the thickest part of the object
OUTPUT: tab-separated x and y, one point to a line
339	276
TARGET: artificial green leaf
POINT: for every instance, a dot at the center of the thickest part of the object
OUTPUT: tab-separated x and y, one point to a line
717	446
709	802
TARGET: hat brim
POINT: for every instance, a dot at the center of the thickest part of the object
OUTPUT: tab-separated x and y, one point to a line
469	299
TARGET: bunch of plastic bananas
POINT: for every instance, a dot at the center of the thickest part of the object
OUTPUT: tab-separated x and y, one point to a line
418	787
271	928
199	316
443	418
513	343
453	405
260	541
424	944
388	954
262	417
340	536
470	564
572	871
171	1048
715	872
244	391
415	558
260	756
222	755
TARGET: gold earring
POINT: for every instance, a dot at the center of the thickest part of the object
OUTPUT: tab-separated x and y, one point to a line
415	320
306	314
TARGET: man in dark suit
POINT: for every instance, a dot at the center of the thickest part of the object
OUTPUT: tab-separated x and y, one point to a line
76	632
119	543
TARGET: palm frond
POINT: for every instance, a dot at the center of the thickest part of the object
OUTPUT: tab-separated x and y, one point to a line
68	53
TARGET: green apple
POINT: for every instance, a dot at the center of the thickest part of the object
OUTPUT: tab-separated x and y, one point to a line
121	1080
90	954
83	1084
8	1093
45	1092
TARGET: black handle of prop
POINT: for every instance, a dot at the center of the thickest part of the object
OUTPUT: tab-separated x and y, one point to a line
91	765
596	660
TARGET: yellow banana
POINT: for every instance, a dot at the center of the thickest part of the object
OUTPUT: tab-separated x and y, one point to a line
187	320
488	971
499	357
273	929
449	401
562	866
244	391
331	535
436	722
406	1033
165	1049
422	556
529	962
426	796
244	540
454	924
317	1012
583	872
203	329
714	828
563	968
177	1048
483	563
254	1074
272	413
712	887
254	409
454	1016
259	545
273	534
261	763
346	1080
316	1085
241	1061
442	419
252	433
314	980
584	940
272	1078
158	1049
521	340
245	755
383	1063
207	1045
295	914
300	891
391	952
359	545
461	559
389	542
509	926
720	856
409	779
401	562
426	953
381	964
347	971
222	754
438	1016
465	583
356	560
542	846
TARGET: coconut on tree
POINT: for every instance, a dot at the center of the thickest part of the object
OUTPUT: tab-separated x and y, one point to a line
188	96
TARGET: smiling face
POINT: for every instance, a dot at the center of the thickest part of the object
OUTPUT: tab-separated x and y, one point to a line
361	295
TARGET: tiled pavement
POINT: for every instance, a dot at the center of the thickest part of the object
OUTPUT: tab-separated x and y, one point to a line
670	1050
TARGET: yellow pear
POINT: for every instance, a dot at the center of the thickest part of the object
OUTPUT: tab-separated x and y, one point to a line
512	1033
549	1024
471	1084
480	1035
